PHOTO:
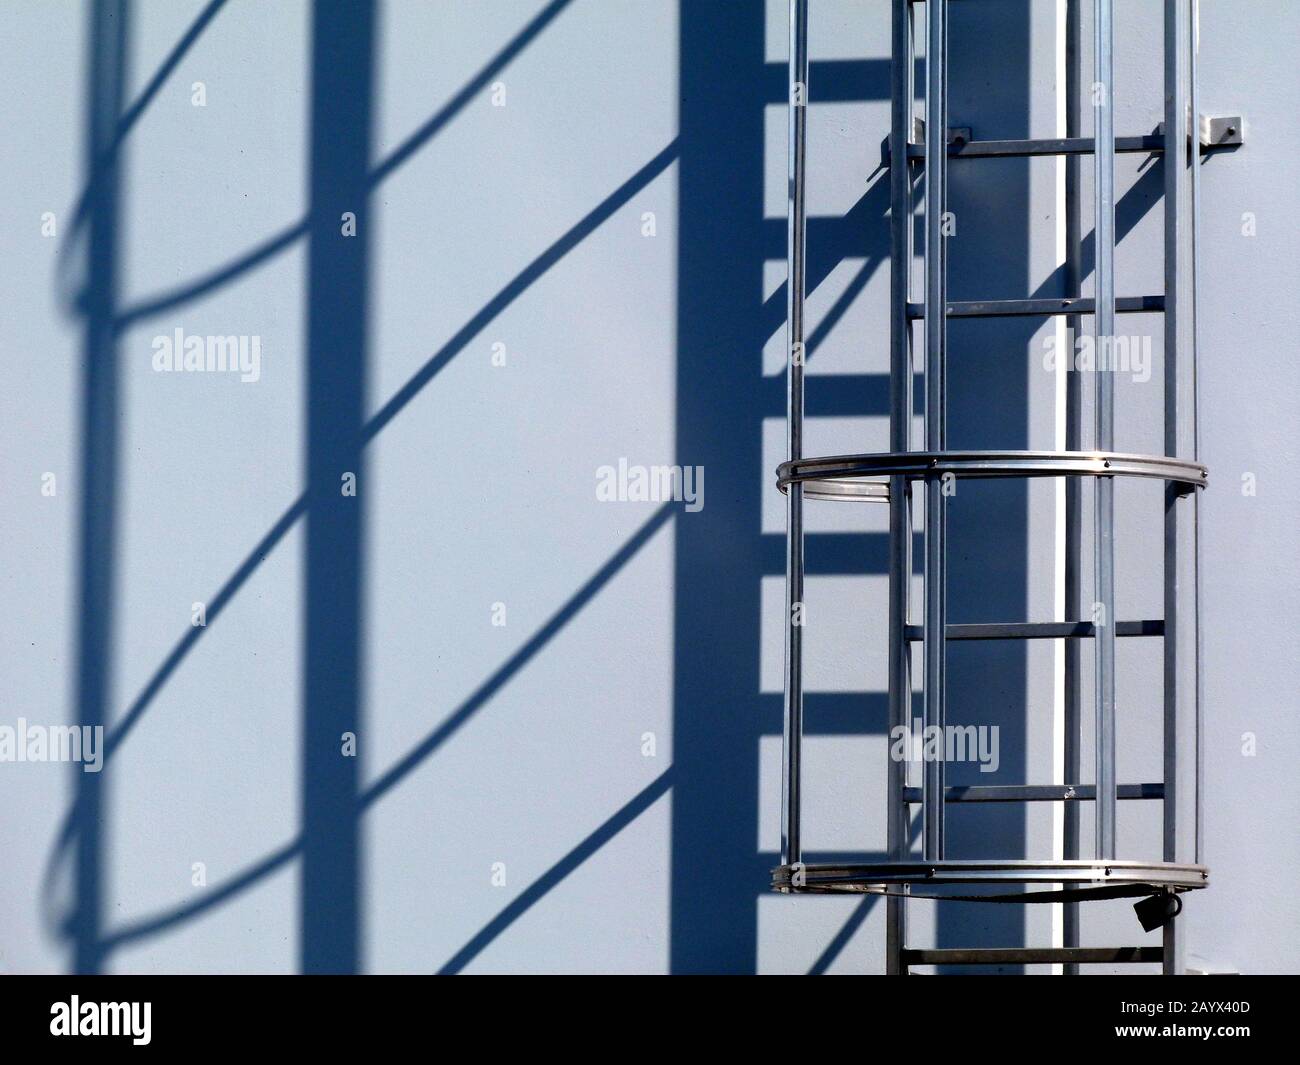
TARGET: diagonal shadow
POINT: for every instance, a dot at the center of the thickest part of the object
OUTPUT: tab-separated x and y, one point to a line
512	291
516	288
842	937
269	864
520	283
299	507
862	232
552	878
277	243
855	919
543	636
104	154
106	163
475	85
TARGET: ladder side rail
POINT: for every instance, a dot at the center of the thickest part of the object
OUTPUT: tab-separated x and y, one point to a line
936	165
1072	723
796	249
1180	667
900	422
1104	511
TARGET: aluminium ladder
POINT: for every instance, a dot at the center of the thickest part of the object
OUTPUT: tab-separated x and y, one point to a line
889	478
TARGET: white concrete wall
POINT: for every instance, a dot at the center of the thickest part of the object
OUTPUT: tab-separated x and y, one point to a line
615	744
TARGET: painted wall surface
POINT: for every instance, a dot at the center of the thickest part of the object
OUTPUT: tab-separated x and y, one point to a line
474	715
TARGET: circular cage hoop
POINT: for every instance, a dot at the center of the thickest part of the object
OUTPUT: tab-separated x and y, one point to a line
858	476
880	877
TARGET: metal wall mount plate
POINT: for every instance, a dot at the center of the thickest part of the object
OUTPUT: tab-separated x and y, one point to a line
1222	131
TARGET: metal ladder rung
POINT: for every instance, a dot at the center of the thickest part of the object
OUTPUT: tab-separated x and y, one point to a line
1036	793
1048	307
1037	630
1019	149
1216	132
1031	955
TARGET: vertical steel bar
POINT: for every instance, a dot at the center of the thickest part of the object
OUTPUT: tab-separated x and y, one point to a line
900	421
796	248
1195	150
1181	708
1104	324
1074	602
936	166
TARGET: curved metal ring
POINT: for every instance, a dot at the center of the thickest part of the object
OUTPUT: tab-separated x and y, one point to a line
878	876
857	491
847	476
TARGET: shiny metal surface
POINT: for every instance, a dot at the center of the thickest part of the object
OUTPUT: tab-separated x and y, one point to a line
794	563
876	876
915	464
1103	607
934	690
